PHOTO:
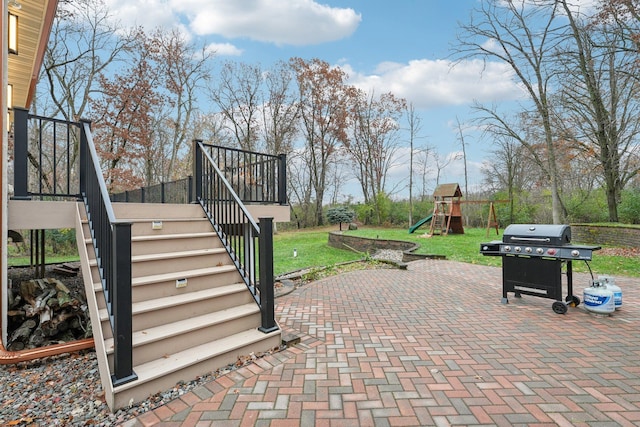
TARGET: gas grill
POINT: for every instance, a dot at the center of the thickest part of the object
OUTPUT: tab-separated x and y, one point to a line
532	259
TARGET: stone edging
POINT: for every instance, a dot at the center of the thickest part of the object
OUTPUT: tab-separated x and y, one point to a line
367	245
605	235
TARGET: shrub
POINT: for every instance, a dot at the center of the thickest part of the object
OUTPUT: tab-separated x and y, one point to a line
340	214
629	208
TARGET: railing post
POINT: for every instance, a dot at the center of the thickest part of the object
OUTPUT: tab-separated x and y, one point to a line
267	297
20	152
197	168
84	157
121	304
190	189
282	179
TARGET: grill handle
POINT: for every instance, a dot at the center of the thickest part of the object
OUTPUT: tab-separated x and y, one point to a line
531	239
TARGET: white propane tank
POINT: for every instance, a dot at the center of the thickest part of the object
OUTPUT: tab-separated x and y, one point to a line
598	298
610	282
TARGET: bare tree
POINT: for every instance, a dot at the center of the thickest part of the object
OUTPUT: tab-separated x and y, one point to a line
238	95
280	110
524	35
600	101
84	42
376	123
510	170
415	127
424	170
441	162
324	104
183	69
464	155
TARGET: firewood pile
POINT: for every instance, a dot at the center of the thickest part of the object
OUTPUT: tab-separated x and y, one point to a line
44	312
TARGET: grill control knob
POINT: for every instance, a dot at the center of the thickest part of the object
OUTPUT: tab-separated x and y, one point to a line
527	250
518	249
507	248
551	251
539	250
575	253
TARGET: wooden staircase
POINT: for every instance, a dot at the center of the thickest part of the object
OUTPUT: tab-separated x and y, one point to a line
192	313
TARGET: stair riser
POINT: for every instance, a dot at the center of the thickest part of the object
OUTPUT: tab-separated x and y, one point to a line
168	288
145	228
163	266
156	210
198	283
152	351
204	367
150	319
174	245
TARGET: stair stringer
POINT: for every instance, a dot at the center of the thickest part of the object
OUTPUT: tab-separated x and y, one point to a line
98	337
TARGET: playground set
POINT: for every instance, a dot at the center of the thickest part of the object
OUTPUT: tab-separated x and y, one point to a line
447	212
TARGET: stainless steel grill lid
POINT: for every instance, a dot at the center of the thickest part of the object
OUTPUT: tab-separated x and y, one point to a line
539	234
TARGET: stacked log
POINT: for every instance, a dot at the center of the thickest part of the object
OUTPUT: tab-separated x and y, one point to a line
44	312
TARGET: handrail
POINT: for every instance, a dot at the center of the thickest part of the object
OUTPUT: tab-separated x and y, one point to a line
238	232
112	244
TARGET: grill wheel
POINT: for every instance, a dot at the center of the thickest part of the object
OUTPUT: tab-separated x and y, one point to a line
559	307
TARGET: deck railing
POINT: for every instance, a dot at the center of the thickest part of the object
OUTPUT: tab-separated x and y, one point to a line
179	191
249	245
58	159
255	178
45	157
112	245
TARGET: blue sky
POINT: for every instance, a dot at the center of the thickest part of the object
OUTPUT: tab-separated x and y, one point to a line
401	46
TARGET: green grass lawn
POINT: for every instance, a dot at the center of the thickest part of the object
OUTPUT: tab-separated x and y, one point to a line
22	261
313	250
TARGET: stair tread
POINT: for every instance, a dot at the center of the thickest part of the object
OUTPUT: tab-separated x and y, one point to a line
176	236
173	236
174	362
178	219
174	300
161	332
177	254
171	255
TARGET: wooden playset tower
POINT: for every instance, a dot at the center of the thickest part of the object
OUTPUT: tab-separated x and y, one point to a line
447	214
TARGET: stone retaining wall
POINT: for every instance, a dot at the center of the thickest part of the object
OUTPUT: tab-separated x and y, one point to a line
604	235
363	244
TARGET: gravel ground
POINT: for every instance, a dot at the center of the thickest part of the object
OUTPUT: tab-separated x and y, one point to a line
65	390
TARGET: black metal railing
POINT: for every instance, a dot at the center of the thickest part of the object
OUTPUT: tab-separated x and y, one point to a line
112	244
249	245
255	177
179	192
45	157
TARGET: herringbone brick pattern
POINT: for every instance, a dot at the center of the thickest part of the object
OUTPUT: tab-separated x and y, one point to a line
430	346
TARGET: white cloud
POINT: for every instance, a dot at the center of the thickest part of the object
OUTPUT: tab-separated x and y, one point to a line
224	49
146	13
436	83
301	22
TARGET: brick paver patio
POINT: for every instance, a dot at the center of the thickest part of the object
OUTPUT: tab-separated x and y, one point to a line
430	346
